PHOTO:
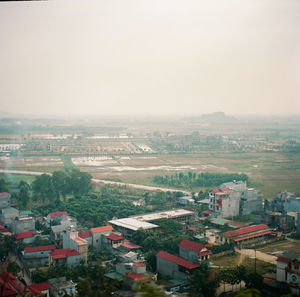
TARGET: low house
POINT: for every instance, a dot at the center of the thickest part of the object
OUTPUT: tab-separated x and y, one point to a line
57	217
186	200
247	236
113	241
10	286
98	233
73	241
133	279
23	224
57	232
7	216
87	236
172	266
4	200
129	246
61	287
193	251
44	288
37	255
25	237
288	271
65	256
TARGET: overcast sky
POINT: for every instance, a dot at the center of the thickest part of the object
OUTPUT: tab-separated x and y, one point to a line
150	57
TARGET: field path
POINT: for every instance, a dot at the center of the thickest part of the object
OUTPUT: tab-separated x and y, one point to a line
259	255
103	182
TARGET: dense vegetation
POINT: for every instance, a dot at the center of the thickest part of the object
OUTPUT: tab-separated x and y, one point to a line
194	180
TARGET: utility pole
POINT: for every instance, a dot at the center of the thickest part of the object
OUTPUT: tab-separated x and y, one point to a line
255	260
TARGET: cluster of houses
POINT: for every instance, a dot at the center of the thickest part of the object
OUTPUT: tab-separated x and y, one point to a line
70	243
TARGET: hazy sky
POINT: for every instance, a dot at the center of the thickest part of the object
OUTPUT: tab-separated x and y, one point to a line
150	57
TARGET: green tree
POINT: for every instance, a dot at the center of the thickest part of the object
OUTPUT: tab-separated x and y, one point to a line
248	293
149	290
14	268
23	195
3	185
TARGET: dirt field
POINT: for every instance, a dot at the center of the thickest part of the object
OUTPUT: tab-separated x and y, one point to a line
270	172
278	248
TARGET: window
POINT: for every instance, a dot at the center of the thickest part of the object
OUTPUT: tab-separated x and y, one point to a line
296	267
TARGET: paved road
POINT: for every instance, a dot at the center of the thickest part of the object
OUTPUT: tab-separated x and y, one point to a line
103	182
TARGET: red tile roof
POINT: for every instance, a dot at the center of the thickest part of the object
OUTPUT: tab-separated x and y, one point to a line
4	194
191	245
246	230
9	285
129	245
85	234
23	235
139	265
1	228
57	213
283	259
102	229
177	260
251	236
63	253
115	237
40	287
216	191
207	212
135	276
39	248
205	253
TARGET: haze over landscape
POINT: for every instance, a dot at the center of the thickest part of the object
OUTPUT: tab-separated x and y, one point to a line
140	57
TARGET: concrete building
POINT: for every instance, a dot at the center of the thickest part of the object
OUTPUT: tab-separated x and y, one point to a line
4	200
113	241
225	201
57	231
127	226
7	216
57	217
98	233
38	255
73	241
64	256
283	203
193	251
61	287
251	200
174	267
23	224
288	271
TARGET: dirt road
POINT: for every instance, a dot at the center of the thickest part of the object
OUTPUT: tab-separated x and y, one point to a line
259	255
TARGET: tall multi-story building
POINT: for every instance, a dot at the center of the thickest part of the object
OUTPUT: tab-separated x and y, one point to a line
224	201
251	200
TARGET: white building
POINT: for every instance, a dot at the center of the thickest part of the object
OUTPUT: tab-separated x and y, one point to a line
4	200
288	271
23	224
98	233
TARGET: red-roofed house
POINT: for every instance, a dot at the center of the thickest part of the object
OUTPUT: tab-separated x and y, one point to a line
130	279
99	234
37	256
57	216
129	246
10	285
43	288
65	256
87	236
173	266
114	240
26	237
247	236
193	251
